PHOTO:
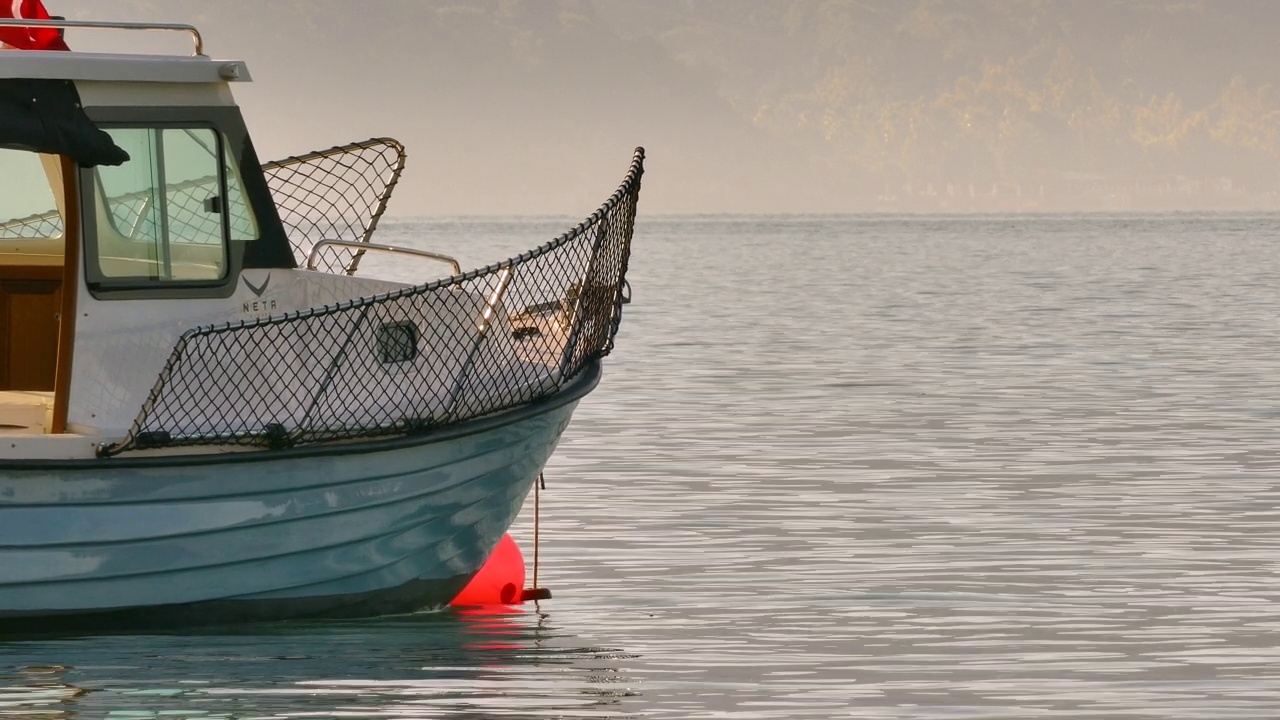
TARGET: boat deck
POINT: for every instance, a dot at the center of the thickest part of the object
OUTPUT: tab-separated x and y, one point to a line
25	412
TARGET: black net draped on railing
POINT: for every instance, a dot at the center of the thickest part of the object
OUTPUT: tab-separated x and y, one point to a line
335	194
408	361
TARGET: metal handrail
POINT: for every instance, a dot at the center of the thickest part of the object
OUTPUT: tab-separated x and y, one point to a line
491	305
108	25
482	331
315	252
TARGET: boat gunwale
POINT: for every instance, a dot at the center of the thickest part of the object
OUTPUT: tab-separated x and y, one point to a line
578	387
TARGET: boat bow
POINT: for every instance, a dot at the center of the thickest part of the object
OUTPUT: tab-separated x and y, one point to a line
415	359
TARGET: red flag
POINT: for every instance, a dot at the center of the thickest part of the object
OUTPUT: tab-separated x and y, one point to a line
25	38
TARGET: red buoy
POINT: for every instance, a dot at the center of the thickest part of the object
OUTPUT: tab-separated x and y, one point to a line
500	580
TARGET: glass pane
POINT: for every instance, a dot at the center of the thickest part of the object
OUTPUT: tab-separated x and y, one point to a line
28	208
196	209
130	243
191	173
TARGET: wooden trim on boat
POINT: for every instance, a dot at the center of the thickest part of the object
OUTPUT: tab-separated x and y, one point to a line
70	287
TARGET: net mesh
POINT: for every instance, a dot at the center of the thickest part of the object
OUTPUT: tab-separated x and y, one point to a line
189	217
412	360
335	194
44	225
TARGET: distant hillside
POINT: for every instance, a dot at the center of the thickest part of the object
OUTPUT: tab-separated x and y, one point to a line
1123	102
771	105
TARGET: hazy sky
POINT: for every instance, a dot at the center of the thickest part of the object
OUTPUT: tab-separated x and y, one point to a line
486	135
534	106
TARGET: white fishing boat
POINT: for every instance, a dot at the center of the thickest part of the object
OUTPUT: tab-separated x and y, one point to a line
206	414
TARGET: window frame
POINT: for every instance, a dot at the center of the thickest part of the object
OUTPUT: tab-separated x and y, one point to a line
98	281
271	249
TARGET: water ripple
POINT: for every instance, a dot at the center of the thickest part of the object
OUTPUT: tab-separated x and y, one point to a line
844	467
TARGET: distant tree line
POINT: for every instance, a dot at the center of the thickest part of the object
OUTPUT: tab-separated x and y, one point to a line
992	93
1005	126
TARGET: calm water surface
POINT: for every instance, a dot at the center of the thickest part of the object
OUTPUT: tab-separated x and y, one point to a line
859	468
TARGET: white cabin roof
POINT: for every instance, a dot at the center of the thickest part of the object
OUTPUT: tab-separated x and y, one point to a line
110	67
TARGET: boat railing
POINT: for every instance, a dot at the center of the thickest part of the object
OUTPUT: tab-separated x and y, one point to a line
407	361
110	25
314	256
482	332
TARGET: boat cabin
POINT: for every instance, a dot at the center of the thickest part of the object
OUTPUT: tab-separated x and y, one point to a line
159	291
129	183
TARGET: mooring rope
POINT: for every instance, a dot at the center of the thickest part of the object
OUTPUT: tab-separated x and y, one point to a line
537	491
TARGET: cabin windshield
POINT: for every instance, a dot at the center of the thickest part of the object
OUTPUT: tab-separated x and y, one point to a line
169	214
28	207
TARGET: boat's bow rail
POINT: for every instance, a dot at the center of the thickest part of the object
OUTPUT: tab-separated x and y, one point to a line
407	361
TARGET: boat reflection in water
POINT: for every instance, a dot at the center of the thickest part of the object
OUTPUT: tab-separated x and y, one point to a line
38	691
501	662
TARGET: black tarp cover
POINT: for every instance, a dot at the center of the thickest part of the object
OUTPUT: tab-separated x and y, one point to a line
45	116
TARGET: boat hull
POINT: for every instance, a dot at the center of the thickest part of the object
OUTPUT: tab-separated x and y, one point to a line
350	530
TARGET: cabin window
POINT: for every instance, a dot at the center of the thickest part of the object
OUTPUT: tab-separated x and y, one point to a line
169	214
28	208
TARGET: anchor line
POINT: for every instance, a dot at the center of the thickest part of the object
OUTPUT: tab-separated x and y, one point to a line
537	491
